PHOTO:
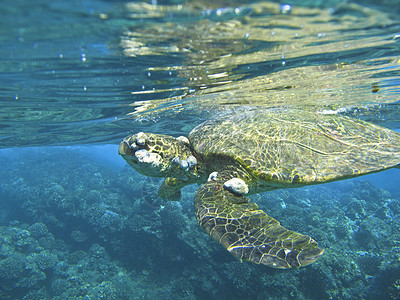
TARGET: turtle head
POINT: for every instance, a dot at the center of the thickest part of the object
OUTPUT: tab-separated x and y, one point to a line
157	155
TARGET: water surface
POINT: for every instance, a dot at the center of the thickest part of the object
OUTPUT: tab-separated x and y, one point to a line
88	72
78	76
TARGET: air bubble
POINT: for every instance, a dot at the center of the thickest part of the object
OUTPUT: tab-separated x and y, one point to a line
285	9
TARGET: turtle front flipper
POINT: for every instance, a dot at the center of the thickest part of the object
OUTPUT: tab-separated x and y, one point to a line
248	232
171	189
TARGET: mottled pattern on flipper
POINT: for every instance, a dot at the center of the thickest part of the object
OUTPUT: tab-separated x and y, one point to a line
249	233
171	189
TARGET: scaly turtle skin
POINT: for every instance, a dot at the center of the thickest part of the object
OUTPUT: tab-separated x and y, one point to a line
254	152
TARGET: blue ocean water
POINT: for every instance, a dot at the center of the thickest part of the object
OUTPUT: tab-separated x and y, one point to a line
76	222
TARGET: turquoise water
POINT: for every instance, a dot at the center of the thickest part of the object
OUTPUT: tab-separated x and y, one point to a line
77	76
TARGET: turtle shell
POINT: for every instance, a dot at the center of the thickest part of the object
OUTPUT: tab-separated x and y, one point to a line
292	146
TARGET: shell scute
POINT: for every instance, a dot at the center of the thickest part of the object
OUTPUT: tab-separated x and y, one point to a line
289	147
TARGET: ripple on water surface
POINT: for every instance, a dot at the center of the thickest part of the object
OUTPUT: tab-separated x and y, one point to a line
89	73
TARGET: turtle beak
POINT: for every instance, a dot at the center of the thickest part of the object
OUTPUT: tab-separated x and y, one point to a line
126	151
124	148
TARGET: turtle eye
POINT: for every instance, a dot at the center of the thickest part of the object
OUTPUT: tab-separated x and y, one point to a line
125	148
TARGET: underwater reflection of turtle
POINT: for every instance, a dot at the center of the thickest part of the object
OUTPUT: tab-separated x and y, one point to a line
257	151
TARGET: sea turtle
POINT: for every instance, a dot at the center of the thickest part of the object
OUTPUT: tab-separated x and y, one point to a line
257	151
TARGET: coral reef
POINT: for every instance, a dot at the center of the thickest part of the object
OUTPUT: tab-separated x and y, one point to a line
87	232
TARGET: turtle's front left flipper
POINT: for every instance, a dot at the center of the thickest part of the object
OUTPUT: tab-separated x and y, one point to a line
171	189
248	232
